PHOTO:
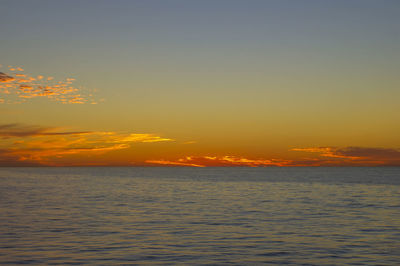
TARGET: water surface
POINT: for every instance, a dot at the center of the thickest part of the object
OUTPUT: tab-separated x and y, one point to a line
232	216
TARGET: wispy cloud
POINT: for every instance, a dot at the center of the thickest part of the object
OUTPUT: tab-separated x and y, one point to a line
324	156
141	138
20	130
41	145
17	86
355	155
202	161
179	162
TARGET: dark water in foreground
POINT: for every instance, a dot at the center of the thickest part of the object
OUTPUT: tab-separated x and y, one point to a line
242	216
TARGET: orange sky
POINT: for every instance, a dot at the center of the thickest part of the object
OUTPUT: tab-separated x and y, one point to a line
245	84
24	145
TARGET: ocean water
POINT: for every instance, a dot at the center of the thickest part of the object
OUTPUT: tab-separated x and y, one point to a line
200	216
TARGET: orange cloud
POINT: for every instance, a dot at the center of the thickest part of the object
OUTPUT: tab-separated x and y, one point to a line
203	161
356	155
322	151
325	156
40	145
142	138
19	87
180	162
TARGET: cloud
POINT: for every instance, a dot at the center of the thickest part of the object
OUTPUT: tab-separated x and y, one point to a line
5	77
44	145
363	152
325	156
356	155
202	161
322	151
19	87
142	138
19	130
180	162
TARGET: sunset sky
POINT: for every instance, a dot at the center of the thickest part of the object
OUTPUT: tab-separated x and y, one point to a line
199	83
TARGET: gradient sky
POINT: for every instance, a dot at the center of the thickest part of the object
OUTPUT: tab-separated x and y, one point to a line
202	83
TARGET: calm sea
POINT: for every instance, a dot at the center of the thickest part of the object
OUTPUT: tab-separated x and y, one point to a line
194	216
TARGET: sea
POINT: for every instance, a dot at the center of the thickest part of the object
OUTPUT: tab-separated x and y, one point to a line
200	216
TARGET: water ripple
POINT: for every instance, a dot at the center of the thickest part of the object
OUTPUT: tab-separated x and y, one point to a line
229	216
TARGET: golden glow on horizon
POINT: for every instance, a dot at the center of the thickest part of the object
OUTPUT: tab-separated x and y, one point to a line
220	143
34	145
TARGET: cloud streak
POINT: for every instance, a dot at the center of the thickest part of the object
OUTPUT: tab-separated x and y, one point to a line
355	155
203	161
324	156
19	130
17	86
27	144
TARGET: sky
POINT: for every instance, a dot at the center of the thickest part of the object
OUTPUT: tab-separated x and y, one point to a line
199	83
